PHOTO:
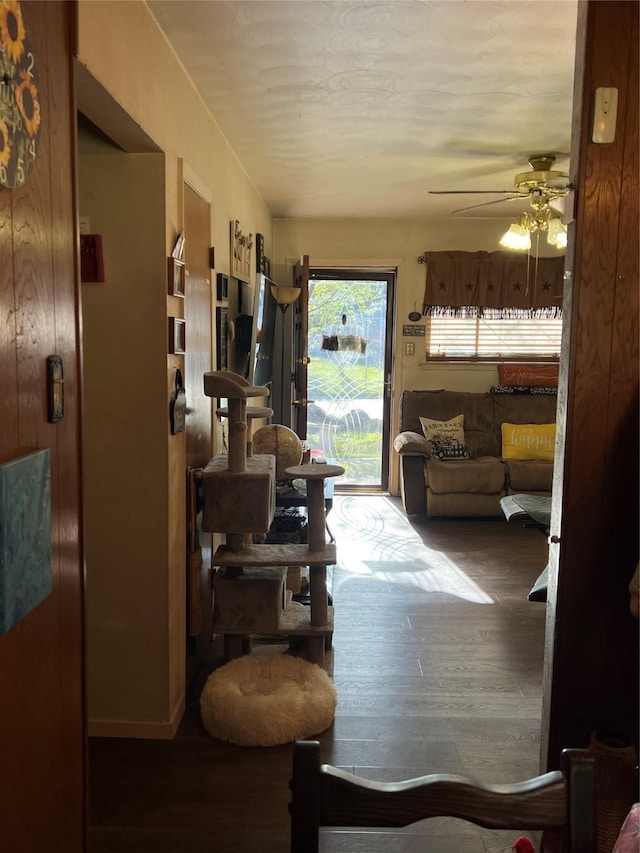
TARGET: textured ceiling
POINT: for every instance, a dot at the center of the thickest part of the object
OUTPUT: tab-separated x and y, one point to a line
360	108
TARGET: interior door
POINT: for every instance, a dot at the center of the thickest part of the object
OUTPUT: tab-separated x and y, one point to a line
197	313
300	402
198	426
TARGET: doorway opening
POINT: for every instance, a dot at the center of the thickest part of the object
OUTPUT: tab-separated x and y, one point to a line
349	372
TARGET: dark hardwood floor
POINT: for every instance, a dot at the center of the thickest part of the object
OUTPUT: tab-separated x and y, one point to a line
437	660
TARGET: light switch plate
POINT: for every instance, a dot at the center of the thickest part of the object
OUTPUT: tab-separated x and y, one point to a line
409	348
605	112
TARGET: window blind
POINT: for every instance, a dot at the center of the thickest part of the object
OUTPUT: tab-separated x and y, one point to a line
494	339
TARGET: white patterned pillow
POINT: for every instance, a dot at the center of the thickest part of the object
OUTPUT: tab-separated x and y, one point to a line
444	433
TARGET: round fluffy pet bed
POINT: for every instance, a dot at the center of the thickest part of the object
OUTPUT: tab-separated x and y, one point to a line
267	701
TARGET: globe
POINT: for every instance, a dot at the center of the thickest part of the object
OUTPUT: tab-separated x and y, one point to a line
282	443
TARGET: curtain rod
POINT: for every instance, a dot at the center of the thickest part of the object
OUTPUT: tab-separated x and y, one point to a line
422	259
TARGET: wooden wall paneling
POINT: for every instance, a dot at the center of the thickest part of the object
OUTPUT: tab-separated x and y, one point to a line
70	825
39	732
8	386
623	508
11	652
35	307
591	657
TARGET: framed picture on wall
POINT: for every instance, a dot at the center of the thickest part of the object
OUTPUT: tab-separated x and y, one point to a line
176	277
222	287
177	336
222	323
241	245
259	253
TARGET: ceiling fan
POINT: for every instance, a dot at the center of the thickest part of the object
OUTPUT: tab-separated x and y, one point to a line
541	184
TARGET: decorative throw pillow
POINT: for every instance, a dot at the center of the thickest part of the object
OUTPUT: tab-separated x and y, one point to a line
533	375
443	432
529	441
449	451
523	389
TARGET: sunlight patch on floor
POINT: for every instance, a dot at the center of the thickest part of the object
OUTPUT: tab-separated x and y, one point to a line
375	541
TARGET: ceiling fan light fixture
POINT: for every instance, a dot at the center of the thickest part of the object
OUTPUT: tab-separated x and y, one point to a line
517	238
557	233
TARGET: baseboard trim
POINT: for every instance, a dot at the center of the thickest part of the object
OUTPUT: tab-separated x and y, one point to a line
151	730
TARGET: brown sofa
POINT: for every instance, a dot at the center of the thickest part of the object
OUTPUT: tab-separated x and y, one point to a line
473	486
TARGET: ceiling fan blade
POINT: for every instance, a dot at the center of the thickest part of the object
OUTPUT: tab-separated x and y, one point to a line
485	203
469	192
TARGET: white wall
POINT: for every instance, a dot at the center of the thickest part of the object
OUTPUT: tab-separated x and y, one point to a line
122	52
394	243
125	437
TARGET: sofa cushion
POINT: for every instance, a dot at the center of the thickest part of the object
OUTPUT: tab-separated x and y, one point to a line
528	441
409	442
485	475
462	505
529	476
524	408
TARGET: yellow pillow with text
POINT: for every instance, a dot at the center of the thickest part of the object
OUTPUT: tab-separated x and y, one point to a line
529	441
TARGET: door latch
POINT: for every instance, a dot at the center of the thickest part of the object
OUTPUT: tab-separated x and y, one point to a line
55	389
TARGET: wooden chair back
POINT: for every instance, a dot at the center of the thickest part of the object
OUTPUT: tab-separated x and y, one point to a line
562	801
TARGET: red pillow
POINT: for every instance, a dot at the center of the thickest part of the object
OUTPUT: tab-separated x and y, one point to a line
533	375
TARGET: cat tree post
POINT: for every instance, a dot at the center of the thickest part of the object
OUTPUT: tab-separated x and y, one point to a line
237	435
315	476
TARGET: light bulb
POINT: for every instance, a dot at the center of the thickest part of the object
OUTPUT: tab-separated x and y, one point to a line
517	238
556	233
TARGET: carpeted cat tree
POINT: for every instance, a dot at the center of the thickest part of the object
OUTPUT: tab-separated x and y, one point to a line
249	589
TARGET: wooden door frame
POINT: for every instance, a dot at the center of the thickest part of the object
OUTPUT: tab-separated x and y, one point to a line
591	647
299	401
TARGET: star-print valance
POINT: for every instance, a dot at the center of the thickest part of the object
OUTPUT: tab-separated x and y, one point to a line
492	284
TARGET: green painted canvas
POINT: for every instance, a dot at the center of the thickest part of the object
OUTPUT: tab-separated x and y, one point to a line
25	536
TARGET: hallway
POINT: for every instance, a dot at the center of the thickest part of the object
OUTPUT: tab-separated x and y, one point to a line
437	660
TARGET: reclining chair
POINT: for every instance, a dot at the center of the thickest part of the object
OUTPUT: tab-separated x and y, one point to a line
562	801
